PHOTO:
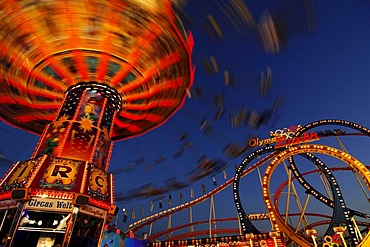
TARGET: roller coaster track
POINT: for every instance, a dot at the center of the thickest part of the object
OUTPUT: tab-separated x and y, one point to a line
229	231
261	216
256	216
152	218
253	217
363	131
279	190
341	213
183	239
276	219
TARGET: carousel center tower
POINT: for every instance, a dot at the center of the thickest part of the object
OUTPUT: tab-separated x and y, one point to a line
82	74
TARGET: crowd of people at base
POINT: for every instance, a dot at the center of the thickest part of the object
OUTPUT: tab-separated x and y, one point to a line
113	236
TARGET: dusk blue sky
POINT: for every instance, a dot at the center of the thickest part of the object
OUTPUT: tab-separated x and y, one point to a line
323	74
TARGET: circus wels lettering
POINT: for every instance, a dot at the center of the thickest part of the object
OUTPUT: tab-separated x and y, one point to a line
49	204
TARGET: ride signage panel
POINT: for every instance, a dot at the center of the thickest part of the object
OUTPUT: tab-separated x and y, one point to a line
61	173
20	174
49	204
285	133
282	142
99	184
8	204
284	137
92	211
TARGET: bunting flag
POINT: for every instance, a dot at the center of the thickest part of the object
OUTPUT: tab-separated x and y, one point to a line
225	174
142	209
180	197
169	200
133	216
191	193
214	181
124	217
160	203
151	205
203	188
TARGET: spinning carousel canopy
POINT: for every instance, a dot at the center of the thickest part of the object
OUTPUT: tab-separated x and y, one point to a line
139	48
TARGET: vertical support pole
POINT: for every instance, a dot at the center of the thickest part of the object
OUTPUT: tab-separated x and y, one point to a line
116	220
2	221
70	226
169	225
210	218
314	240
14	225
191	221
150	229
287	203
101	229
213	213
357	230
343	240
303	213
343	148
239	225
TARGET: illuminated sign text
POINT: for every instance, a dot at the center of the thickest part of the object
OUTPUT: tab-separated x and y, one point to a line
282	142
47	203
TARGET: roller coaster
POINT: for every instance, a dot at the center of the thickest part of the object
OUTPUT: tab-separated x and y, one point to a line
335	222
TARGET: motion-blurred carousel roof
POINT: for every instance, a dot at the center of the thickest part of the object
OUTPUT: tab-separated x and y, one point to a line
138	47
